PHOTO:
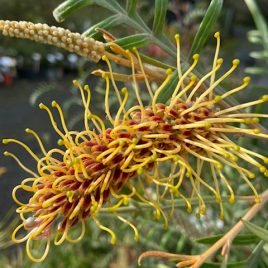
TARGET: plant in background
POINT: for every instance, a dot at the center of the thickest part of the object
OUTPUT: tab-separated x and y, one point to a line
178	147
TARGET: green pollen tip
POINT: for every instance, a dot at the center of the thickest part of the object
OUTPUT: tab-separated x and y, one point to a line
104	57
232	199
256	131
246	79
6	153
113	240
5	141
262	169
257	200
136	237
157	215
60	142
189	209
195	56
41	106
264	98
208	125
236	148
251	175
193	78
140	171
76	83
220	61
124	90
236	62
54	103
217	99
27	130
169	71
203	210
177	36
217	35
255	120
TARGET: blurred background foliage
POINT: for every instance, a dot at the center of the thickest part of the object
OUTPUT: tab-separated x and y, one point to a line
45	73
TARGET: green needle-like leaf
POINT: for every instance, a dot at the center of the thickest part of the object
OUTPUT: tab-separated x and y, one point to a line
70	6
106	24
244	239
137	40
131	7
259	20
206	26
159	16
260	232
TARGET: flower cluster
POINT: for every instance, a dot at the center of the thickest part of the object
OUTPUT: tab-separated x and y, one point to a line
157	151
86	47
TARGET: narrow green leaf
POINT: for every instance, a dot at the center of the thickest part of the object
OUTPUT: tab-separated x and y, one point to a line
259	20
257	70
254	259
240	264
137	40
70	6
260	232
244	239
106	24
206	26
131	7
159	16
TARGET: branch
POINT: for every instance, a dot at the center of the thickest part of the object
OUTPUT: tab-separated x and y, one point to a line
196	261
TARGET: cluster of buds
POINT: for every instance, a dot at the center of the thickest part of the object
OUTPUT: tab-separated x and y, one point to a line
152	152
59	37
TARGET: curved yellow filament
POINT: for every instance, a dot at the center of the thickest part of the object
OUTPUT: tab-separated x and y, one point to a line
20	164
30	255
113	236
30	131
107	106
122	107
112	79
136	233
23	145
160	88
80	236
142	71
181	80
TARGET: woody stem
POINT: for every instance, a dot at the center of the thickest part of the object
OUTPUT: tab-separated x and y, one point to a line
228	237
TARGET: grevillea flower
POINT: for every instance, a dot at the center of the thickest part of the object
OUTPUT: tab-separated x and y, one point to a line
157	151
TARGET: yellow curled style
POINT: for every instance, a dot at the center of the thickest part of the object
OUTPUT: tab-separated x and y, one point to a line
29	253
80	236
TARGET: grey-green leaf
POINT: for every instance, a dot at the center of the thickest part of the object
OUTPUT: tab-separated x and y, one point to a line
106	24
243	239
259	20
137	40
159	16
240	264
70	6
206	26
260	232
131	7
